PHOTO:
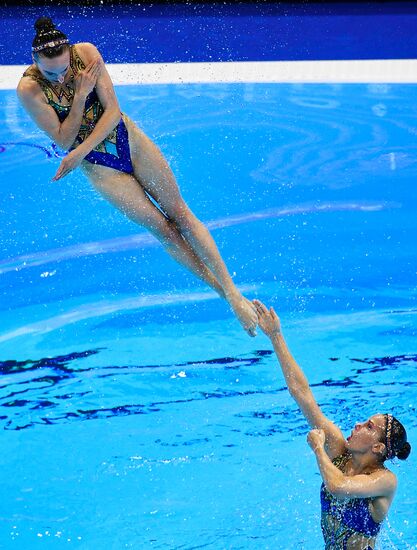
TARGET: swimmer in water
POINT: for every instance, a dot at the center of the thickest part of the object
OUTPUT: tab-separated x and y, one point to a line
357	488
69	95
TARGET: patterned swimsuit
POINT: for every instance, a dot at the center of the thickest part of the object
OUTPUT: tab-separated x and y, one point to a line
347	524
112	152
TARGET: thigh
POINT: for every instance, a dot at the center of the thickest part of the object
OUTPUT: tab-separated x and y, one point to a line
153	172
124	192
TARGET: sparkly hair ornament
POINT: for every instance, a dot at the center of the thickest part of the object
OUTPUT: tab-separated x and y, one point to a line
52	44
48	38
388	433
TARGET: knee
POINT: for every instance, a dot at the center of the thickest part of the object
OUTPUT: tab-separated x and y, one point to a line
182	216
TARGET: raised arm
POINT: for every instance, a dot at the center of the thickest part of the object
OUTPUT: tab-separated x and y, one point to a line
44	116
297	382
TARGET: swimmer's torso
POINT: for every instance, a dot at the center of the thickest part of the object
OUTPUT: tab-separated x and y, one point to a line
112	152
347	524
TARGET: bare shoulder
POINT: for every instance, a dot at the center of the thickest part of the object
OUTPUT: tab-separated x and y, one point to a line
391	478
87	51
388	479
28	88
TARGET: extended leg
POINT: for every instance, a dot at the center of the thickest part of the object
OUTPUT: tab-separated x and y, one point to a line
153	172
128	196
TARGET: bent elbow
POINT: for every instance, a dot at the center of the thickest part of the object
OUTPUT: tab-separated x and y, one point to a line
62	143
337	489
114	114
64	146
333	489
294	392
117	115
297	391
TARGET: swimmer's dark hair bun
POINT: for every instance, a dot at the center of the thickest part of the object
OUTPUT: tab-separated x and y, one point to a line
405	450
44	25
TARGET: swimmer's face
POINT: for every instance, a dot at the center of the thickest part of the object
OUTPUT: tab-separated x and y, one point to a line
55	68
368	435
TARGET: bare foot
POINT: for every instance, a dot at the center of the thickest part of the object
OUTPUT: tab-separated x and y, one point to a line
245	311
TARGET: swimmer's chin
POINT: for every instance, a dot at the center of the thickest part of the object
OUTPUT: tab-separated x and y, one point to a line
56	80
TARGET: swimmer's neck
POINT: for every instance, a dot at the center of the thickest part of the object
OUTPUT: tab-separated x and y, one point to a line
362	463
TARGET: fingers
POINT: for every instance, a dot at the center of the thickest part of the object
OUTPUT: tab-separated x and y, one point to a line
96	69
263	310
93	69
90	71
260	307
57	176
274	315
86	79
92	65
61	172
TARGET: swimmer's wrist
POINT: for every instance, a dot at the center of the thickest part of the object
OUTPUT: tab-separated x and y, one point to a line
232	294
79	151
318	449
276	335
80	96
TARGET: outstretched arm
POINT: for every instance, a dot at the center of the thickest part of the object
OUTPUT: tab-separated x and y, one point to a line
381	483
297	382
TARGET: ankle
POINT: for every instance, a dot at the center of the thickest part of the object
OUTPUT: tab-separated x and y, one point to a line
232	295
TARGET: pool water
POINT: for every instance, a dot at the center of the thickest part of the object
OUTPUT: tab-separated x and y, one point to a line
136	413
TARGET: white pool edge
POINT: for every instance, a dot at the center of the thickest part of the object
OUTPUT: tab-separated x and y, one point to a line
387	71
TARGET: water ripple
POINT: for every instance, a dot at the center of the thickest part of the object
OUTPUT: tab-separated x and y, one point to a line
59	390
145	240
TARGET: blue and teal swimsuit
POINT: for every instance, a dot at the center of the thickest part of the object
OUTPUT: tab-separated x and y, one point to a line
114	151
347	523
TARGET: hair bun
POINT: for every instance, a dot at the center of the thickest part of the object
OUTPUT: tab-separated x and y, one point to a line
405	450
44	25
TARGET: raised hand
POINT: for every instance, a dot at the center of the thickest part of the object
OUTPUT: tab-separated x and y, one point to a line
86	79
268	320
316	439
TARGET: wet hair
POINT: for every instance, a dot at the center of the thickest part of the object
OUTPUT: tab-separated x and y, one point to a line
49	41
396	443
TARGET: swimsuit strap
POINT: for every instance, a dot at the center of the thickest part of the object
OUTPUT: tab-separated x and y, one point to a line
35	75
77	64
45	85
341	461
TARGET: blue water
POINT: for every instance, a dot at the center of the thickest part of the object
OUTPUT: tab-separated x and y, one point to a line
135	411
